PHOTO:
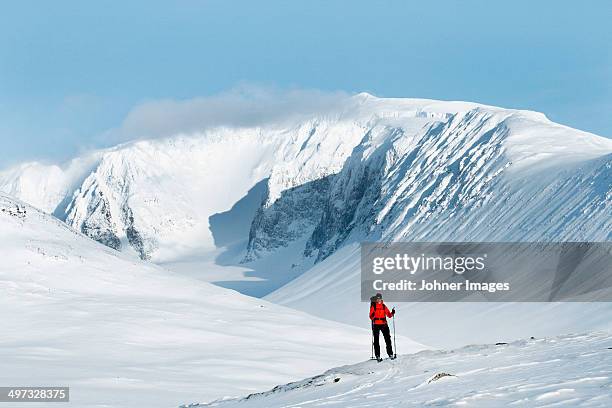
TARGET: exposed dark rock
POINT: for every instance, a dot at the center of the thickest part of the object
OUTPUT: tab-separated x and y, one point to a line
438	376
293	215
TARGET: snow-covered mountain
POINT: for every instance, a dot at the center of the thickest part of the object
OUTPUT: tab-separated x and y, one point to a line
565	371
154	197
478	175
391	169
124	333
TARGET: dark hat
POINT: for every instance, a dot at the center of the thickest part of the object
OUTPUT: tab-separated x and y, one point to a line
378	296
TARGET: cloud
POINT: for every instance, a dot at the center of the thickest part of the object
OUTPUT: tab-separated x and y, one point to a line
243	106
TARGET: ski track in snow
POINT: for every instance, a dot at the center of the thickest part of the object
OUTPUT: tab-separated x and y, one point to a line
570	371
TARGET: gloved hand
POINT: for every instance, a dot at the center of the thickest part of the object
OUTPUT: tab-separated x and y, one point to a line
393	311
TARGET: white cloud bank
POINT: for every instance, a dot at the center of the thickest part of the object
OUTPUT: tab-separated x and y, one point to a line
242	106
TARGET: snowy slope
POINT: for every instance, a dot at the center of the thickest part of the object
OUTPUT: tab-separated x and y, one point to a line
573	370
47	186
121	332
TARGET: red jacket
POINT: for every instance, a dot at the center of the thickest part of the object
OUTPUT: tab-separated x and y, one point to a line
379	313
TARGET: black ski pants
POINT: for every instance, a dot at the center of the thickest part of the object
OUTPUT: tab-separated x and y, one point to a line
384	328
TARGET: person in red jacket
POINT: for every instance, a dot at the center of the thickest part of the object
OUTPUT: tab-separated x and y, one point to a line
378	315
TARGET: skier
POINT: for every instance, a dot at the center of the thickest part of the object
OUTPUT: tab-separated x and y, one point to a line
378	314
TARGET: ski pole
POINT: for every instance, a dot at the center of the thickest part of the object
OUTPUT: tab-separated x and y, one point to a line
372	341
394	345
372	358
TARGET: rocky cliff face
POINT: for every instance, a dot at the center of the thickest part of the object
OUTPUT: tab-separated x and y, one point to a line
101	209
291	217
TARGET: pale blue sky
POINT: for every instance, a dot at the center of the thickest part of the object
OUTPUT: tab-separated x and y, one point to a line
69	70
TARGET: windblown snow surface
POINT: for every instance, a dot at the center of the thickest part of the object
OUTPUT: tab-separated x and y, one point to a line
124	333
567	371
